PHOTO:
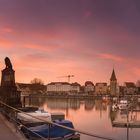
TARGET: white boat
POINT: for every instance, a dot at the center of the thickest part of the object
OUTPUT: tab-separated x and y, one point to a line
30	116
123	104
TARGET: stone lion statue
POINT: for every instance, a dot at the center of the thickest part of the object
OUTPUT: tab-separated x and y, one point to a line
8	63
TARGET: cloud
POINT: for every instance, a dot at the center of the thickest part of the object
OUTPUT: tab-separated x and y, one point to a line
111	57
116	39
43	47
6	29
47	34
5	43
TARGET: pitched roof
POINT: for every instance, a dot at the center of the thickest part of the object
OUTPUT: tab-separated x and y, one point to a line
98	84
61	83
75	84
89	83
130	84
23	85
113	76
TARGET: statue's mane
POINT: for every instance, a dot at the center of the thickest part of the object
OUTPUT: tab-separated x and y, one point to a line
8	63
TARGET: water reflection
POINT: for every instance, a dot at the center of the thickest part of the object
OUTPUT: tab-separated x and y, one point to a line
37	102
63	104
89	104
100	105
92	115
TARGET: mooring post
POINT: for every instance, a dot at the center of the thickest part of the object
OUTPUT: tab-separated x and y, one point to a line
49	127
23	101
29	100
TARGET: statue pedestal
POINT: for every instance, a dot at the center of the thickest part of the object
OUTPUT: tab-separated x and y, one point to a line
9	93
8	77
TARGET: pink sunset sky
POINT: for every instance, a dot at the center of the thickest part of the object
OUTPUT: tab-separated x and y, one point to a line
86	38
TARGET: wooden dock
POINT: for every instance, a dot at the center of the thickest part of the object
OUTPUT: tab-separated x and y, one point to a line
131	124
8	131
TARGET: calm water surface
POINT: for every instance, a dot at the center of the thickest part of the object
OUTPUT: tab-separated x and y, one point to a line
94	116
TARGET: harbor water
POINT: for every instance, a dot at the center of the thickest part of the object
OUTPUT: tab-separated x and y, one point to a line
91	115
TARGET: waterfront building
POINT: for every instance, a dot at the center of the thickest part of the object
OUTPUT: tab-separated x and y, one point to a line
82	89
24	89
89	86
75	87
101	88
130	88
59	87
113	84
63	87
28	89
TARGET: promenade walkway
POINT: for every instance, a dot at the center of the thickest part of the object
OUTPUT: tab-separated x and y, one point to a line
8	131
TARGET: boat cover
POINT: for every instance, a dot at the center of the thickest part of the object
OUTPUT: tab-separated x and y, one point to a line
55	131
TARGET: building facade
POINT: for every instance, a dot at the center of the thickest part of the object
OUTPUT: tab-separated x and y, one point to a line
63	87
130	88
101	88
75	87
58	87
89	86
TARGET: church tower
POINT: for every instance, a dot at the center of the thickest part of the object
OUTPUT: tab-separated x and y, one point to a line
113	84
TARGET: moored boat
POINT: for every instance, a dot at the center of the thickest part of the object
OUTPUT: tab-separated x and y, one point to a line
32	116
123	105
55	132
31	125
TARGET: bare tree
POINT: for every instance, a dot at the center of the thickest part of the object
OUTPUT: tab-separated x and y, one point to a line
37	81
37	86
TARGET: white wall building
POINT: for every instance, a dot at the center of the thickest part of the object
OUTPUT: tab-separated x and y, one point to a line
101	88
58	87
63	87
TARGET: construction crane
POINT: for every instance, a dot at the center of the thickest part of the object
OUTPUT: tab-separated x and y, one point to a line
68	76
